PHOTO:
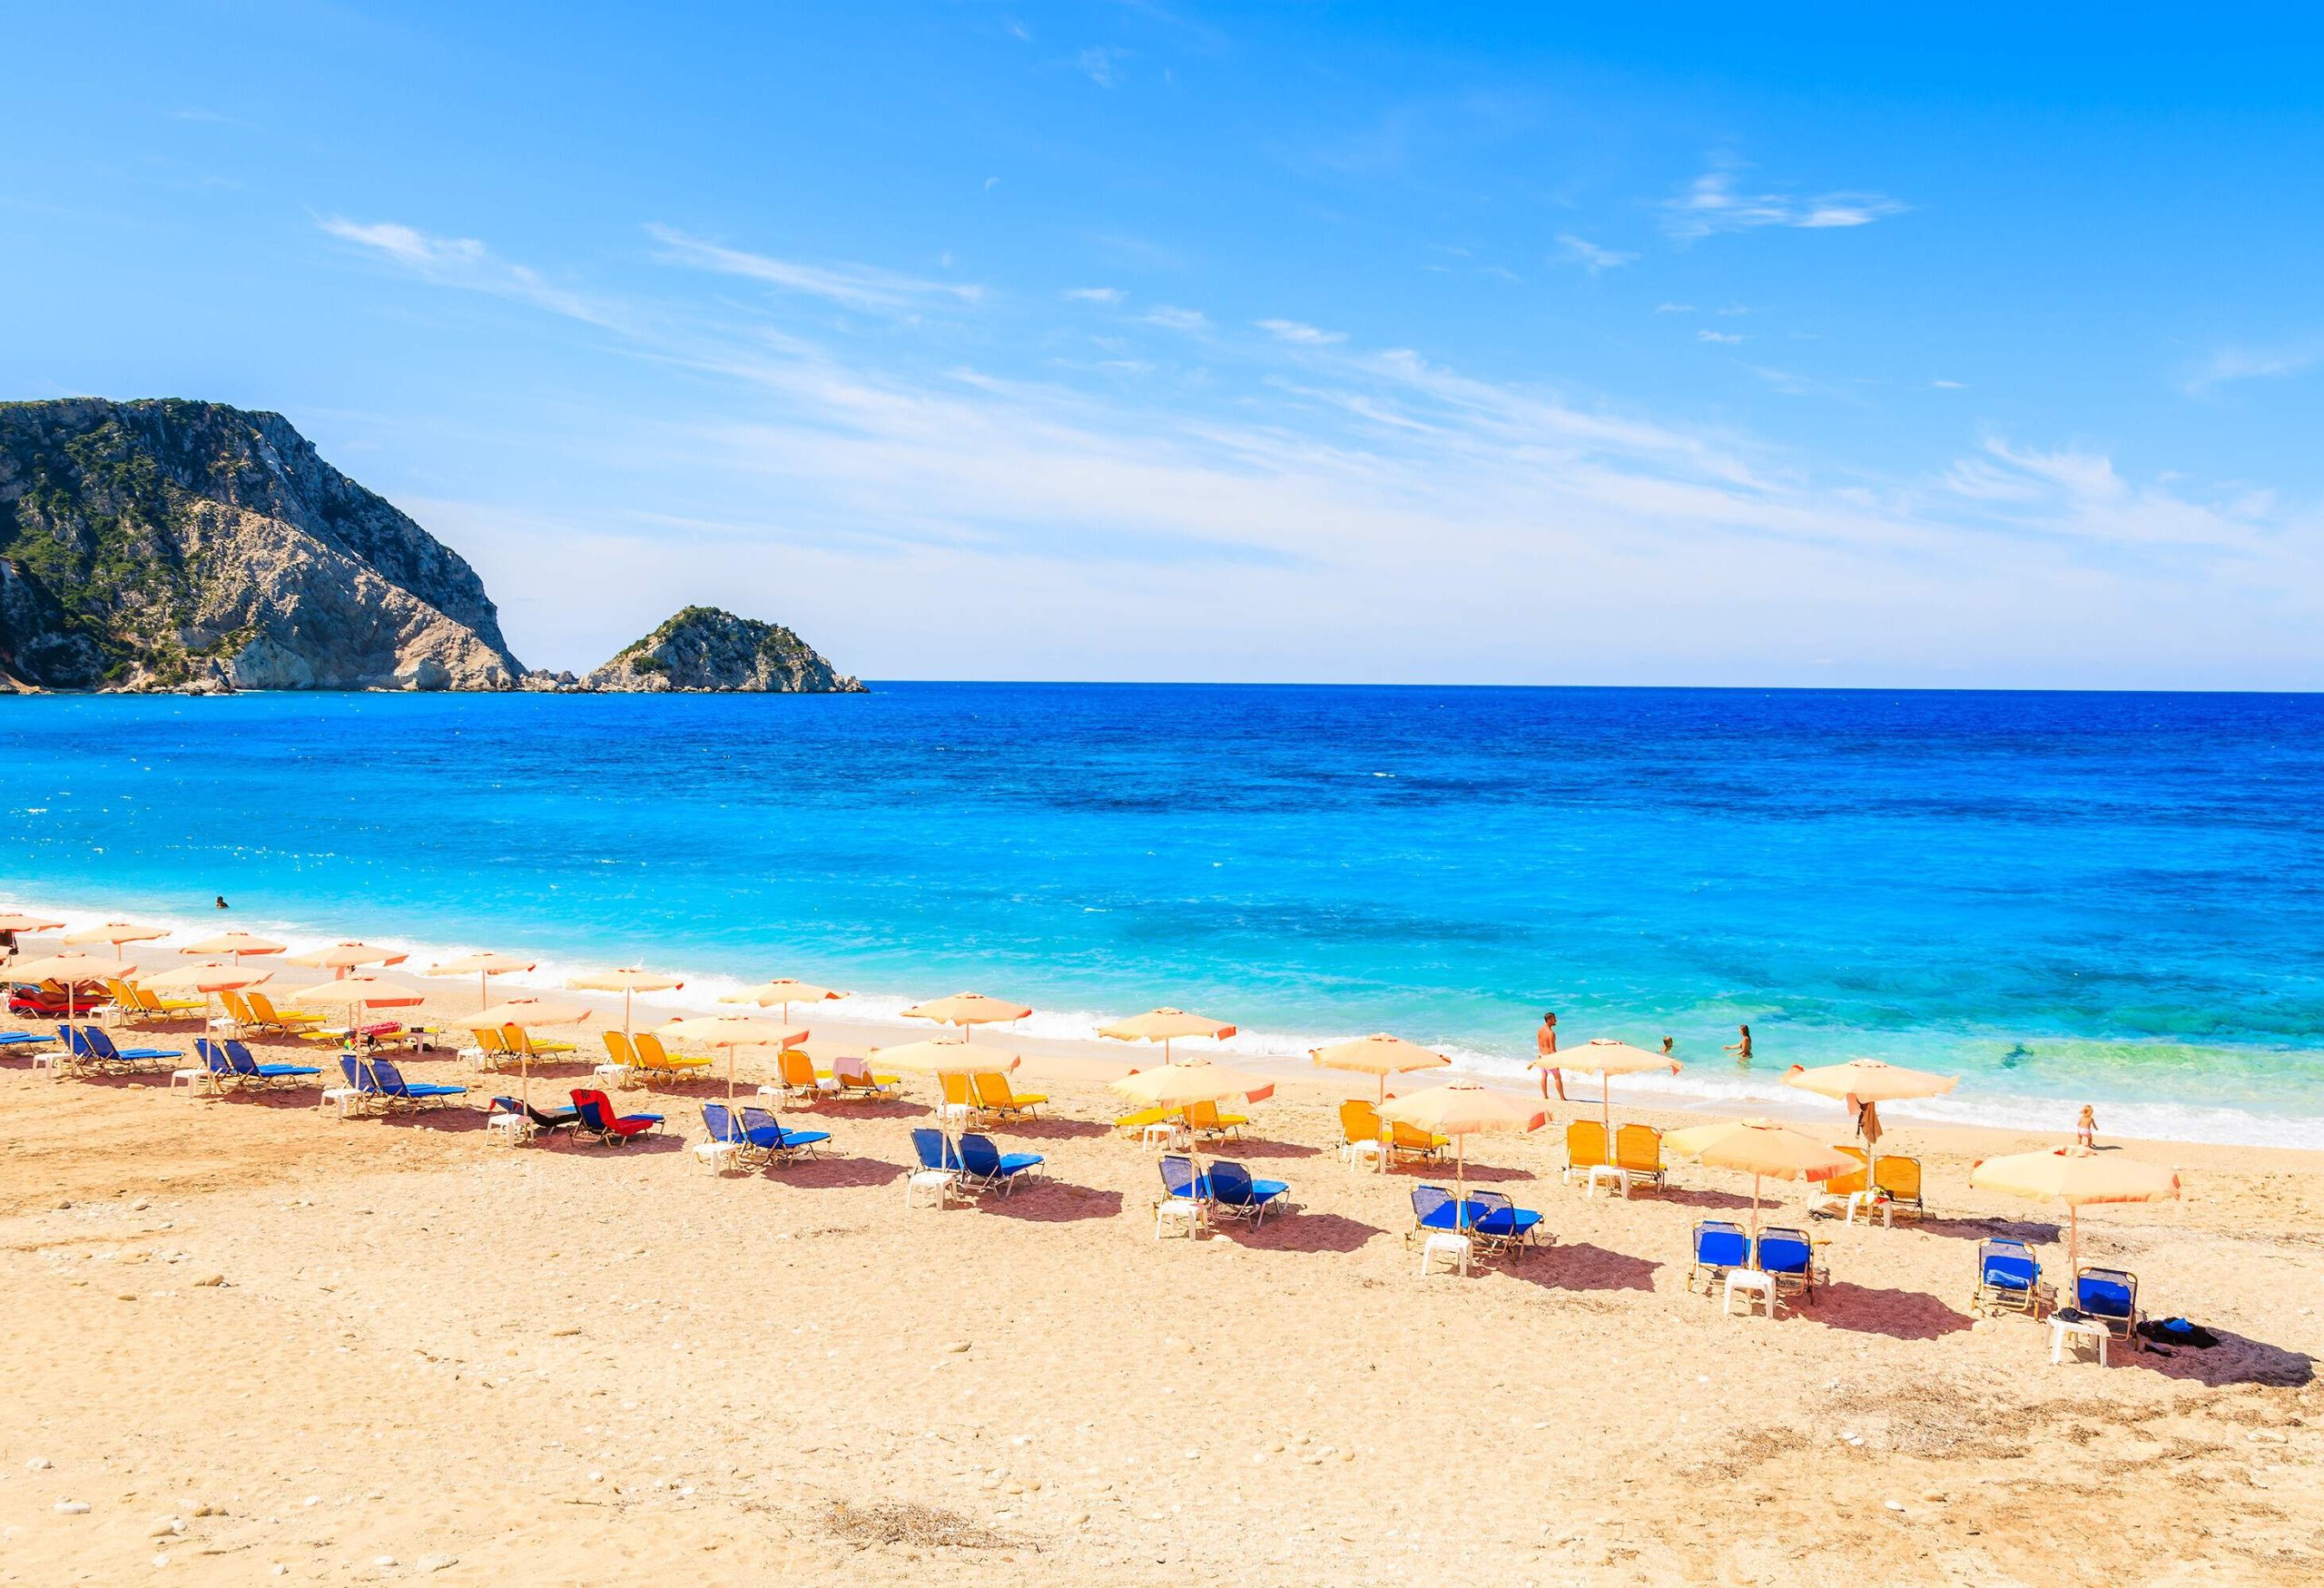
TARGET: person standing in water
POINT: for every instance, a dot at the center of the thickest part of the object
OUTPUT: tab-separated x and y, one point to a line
1668	1043
1741	1047
1545	1052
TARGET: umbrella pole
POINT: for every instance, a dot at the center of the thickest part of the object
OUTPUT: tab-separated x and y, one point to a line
1605	1110
1755	1222
2073	1251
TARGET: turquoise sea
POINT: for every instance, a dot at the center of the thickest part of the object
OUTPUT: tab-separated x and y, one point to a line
2066	898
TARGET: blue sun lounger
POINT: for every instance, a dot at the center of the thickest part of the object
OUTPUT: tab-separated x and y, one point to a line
2009	1277
20	1039
1234	1194
768	1136
935	1153
544	1120
380	1080
2110	1297
93	1043
1788	1258
1500	1225
1719	1245
230	1061
985	1168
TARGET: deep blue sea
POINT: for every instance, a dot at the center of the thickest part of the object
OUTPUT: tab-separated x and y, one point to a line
2065	898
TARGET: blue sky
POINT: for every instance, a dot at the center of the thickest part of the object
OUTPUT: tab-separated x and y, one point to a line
1306	341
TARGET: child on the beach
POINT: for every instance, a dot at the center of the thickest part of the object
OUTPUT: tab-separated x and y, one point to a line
2085	1129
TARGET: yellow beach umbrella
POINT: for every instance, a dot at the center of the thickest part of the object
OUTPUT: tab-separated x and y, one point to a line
1166	1026
1763	1149
785	992
1378	1054
483	965
1462	1109
2075	1177
340	957
115	933
72	971
729	1032
1606	1058
1863	1083
237	944
628	980
967	1009
530	1013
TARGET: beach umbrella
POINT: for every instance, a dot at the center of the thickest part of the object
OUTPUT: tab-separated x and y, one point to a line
360	994
1762	1149
19	923
1378	1054
342	957
785	992
73	970
2076	1178
1863	1083
115	933
1179	1087
1462	1109
1606	1058
237	944
529	1014
1166	1026
729	1032
210	978
940	1057
628	981
967	1009
482	965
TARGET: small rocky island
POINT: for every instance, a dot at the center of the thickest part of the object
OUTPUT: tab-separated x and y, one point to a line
191	547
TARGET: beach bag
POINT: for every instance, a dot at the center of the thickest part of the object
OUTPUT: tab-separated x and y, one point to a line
2178	1331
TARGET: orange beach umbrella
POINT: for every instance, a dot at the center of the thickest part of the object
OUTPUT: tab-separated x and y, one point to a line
1462	1109
340	957
785	991
729	1032
1166	1026
483	965
968	1008
1862	1082
1378	1054
1763	1149
1604	1057
2076	1178
72	971
628	980
115	933
237	944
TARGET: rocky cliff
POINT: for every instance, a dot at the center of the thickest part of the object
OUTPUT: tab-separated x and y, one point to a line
705	648
166	545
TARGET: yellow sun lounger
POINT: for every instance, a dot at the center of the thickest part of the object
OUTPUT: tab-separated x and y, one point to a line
263	1011
1205	1119
520	1041
995	1097
655	1062
1143	1117
1638	1153
1360	1122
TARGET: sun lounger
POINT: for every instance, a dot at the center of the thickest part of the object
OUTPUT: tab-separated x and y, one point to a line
267	1017
1788	1258
657	1063
778	1142
1233	1194
137	1001
94	1044
1142	1119
1499	1225
1638	1153
1185	1195
389	1083
728	1146
2109	1297
1210	1125
985	1168
995	1098
855	1078
795	1077
20	1039
595	1115
491	1047
1360	1122
1585	1148
2009	1277
1898	1181
540	1120
1719	1245
232	1061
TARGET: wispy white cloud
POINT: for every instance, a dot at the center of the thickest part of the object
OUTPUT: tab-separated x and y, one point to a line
1171	318
1950	385
464	261
1581	251
2229	364
1096	294
1674	309
1727	337
1101	64
853	286
1295	331
1712	203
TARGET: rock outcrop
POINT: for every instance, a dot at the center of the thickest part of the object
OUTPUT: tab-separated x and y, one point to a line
704	648
167	545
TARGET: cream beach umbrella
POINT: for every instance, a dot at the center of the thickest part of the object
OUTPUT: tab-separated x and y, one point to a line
1862	1082
483	965
1179	1087
967	1009
939	1057
1762	1149
530	1013
240	945
729	1032
359	995
1166	1026
209	978
115	933
785	992
1460	1110
1606	1058
2075	1177
628	981
17	923
73	970
1378	1054
340	957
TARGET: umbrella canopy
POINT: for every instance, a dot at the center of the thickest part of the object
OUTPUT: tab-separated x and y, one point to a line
729	1032
1180	1086
1606	1058
342	957
18	921
359	993
1166	1026
482	965
2076	1178
236	943
528	1012
1862	1082
210	976
940	1057
115	933
1460	1110
72	971
967	1009
784	992
628	981
1378	1054
1762	1149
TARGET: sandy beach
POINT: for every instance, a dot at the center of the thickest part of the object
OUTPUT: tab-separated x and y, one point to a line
254	1342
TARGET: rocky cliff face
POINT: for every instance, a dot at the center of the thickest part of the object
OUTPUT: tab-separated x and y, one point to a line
165	544
705	648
